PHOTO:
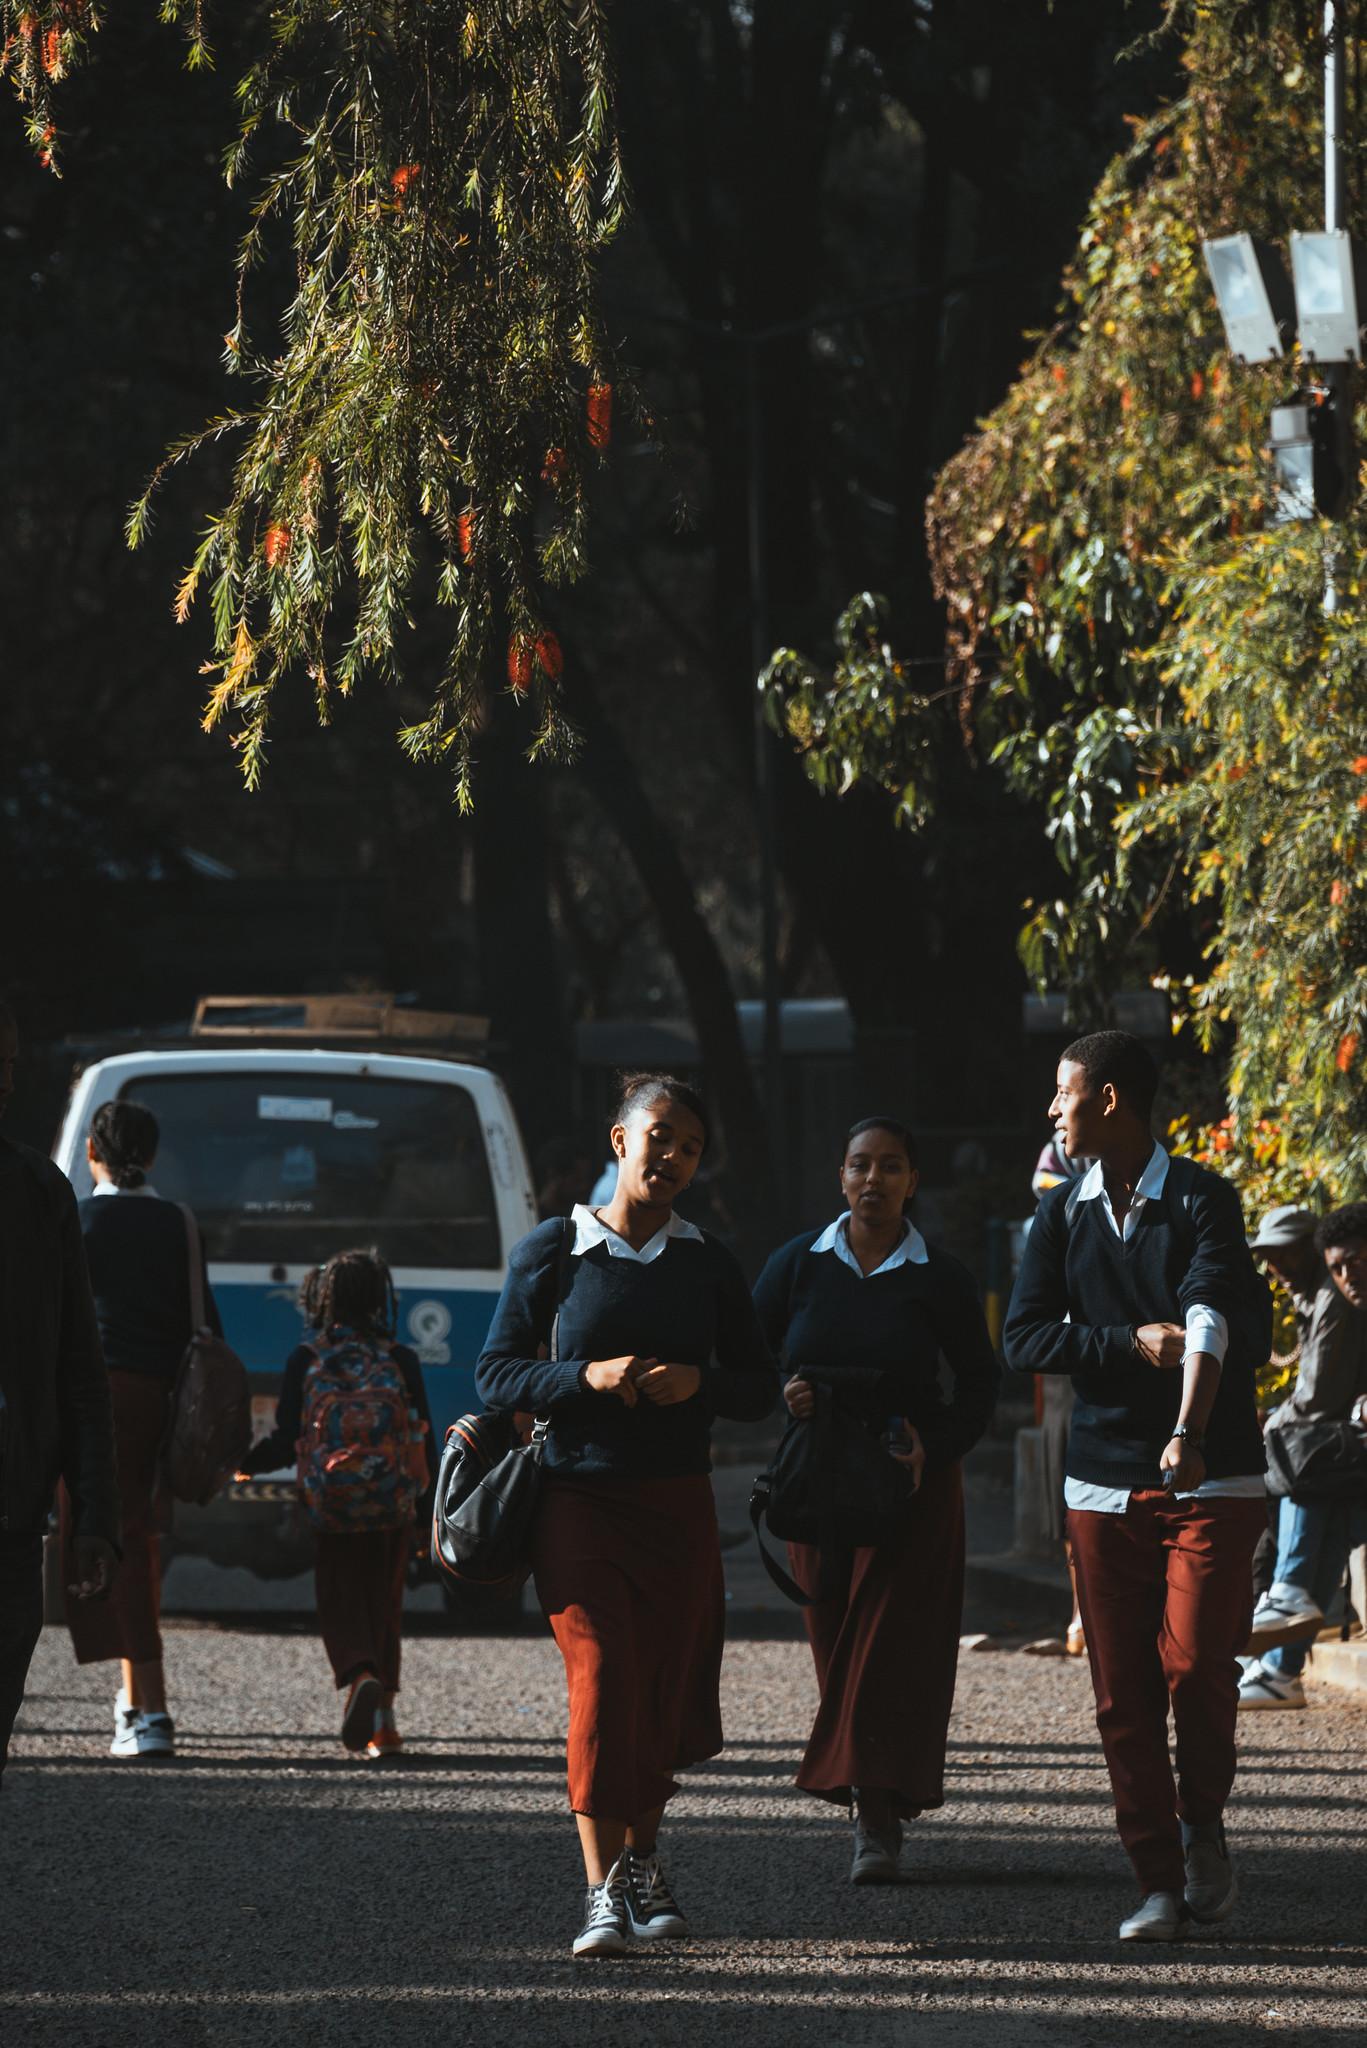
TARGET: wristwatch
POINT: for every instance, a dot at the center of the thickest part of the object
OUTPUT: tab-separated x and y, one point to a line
1190	1434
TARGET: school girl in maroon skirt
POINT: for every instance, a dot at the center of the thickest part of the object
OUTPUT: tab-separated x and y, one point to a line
657	1336
870	1310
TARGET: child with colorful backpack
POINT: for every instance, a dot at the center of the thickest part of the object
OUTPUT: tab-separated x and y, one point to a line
353	1415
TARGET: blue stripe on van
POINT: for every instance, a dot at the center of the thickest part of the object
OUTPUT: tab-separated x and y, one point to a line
446	1326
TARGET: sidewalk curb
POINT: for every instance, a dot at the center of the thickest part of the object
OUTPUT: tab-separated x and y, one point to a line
1034	1590
1341	1664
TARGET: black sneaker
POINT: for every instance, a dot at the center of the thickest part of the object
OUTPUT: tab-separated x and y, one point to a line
651	1906
606	1930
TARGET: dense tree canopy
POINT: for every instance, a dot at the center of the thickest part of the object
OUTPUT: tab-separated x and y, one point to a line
1141	647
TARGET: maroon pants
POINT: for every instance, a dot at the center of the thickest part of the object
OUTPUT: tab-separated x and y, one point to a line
1166	1593
629	1574
886	1647
128	1623
359	1580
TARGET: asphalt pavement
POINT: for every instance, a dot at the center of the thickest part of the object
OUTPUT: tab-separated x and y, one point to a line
264	1888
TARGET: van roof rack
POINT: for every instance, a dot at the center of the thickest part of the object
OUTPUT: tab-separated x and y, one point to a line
370	1015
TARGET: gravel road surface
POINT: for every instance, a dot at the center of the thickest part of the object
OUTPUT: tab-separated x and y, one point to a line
266	1889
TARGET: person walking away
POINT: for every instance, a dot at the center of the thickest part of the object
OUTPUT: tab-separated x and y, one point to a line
1318	1264
868	1309
55	1420
138	1251
353	1414
653	1335
1139	1284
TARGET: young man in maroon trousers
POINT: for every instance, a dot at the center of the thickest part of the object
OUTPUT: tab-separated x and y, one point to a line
1138	1283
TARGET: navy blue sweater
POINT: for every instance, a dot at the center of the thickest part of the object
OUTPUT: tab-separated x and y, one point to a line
139	1261
689	1306
879	1340
1081	1292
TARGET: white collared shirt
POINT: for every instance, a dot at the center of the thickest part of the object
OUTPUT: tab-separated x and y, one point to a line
107	1187
910	1251
590	1230
1207	1331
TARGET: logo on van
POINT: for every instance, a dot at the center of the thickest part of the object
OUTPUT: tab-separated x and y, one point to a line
429	1325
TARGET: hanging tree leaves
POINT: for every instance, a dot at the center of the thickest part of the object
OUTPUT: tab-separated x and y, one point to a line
445	175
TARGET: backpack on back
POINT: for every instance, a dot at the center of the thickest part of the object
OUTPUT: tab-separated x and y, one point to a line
361	1459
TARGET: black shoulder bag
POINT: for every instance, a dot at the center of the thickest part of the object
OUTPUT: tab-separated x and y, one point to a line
832	1484
489	1484
1316	1461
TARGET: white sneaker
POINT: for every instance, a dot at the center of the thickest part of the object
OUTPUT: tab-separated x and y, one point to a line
606	1930
137	1734
1260	1687
1284	1614
1160	1916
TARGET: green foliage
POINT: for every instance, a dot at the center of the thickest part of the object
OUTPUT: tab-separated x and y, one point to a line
441	175
1144	653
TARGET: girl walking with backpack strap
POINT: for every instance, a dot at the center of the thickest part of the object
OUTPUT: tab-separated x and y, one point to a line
136	1250
866	1312
652	1335
353	1413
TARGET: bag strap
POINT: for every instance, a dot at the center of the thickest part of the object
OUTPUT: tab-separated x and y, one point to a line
759	1503
199	1314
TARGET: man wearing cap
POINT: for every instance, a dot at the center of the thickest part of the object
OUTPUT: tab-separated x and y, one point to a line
1313	1537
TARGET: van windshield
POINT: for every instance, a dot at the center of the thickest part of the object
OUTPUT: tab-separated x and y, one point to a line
288	1168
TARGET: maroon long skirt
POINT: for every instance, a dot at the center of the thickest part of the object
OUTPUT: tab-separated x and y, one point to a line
128	1623
629	1574
886	1647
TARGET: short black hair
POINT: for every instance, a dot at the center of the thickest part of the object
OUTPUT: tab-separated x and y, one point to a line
1347	1225
893	1128
637	1091
1123	1061
125	1136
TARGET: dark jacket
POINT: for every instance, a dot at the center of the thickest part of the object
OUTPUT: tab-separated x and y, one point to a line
137	1253
1333	1361
1082	1291
880	1340
689	1306
56	1421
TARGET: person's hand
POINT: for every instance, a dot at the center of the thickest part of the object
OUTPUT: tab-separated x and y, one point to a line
95	1563
667	1385
912	1454
800	1395
241	1478
1184	1461
1161	1344
617	1376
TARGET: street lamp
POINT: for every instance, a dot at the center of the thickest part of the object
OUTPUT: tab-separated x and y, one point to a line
1253	294
1323	268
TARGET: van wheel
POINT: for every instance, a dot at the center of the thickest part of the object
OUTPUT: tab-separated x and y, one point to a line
472	1612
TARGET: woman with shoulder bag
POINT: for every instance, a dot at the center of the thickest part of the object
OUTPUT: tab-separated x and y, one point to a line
868	1310
655	1335
137	1248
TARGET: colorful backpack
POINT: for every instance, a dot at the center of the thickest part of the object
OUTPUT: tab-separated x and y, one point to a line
362	1463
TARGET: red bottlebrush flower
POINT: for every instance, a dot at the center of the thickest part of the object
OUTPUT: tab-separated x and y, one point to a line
550	655
1237	771
1337	893
465	532
402	182
45	152
554	466
1360	765
276	546
1362	803
1126	398
599	410
1198	384
1347	1052
1221	1141
52	52
1058	373
520	652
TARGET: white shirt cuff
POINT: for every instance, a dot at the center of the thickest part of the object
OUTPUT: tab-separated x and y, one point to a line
1207	1331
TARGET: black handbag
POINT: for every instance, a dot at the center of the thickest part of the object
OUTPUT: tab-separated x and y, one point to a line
489	1485
1316	1461
832	1484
